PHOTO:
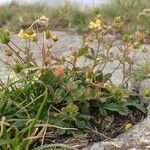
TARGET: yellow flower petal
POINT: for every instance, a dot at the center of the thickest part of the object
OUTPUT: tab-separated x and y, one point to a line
92	24
95	24
128	125
21	34
33	35
26	35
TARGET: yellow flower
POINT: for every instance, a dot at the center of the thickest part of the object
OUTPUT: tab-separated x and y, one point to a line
95	24
27	34
22	34
128	125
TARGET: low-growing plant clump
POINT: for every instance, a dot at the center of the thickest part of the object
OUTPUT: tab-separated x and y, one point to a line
59	100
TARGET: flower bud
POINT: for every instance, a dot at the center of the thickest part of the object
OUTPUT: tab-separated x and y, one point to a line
136	45
139	37
47	34
58	71
54	38
18	67
126	38
118	23
147	92
8	52
4	36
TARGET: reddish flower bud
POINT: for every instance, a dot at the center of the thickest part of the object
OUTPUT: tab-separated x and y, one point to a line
58	71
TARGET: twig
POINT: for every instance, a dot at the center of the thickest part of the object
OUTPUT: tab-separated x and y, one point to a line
102	135
54	126
17	47
16	53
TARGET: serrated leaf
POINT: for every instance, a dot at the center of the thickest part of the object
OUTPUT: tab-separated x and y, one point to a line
137	105
71	110
60	131
81	124
20	122
78	134
58	96
116	91
119	107
83	117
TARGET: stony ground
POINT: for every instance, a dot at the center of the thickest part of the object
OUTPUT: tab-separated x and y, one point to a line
138	137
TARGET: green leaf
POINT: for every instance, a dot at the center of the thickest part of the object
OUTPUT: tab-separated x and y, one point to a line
83	117
117	106
78	134
3	106
83	51
90	57
81	124
49	78
58	96
99	76
102	111
5	142
20	122
60	131
71	110
18	67
137	105
147	92
92	52
126	38
4	36
15	141
85	108
107	77
116	91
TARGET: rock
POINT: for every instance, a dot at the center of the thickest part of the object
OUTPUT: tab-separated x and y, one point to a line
144	85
